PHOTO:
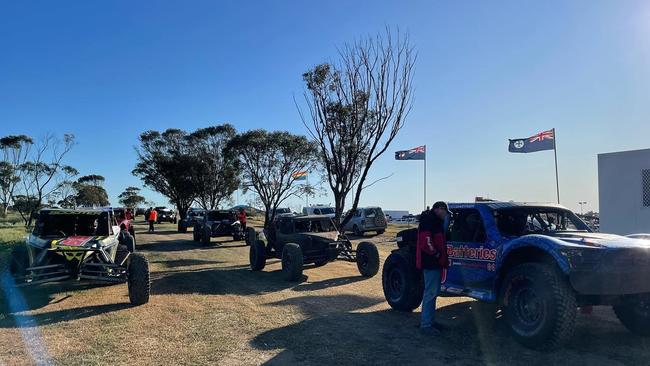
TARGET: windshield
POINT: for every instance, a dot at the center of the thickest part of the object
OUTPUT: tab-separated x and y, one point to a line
325	211
58	225
219	216
523	221
282	211
306	226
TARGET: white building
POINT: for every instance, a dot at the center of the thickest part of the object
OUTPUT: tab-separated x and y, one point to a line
624	192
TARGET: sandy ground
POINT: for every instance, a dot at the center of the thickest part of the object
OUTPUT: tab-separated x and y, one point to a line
207	307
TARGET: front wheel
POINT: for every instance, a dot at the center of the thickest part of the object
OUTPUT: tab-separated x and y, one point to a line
129	242
139	282
402	282
257	255
357	231
292	262
539	305
196	233
182	227
367	259
634	313
207	234
251	236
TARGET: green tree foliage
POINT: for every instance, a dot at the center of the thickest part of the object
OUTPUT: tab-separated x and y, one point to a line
131	197
217	168
166	164
43	172
15	150
90	191
356	108
269	160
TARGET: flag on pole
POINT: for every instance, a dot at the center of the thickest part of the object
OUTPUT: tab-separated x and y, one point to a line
542	141
299	176
416	153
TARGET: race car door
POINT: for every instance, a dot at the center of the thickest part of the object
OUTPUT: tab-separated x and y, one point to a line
472	258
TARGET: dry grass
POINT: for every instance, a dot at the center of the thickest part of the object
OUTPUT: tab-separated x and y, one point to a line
209	308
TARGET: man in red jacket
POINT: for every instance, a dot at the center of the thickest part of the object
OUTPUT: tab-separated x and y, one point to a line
431	258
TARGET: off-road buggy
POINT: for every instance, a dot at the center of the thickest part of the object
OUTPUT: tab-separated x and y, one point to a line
216	223
303	240
193	215
537	262
81	244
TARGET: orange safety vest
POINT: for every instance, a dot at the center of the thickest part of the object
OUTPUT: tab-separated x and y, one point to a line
153	215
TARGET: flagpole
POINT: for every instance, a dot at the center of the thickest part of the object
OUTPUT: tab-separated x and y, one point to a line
425	178
557	181
306	194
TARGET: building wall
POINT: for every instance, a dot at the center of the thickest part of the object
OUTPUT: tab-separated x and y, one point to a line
621	192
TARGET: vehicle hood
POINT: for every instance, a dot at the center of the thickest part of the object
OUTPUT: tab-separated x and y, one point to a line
71	241
600	240
326	235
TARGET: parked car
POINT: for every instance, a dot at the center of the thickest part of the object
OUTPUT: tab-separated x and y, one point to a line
319	210
367	219
166	215
193	214
299	240
537	262
84	244
283	212
216	223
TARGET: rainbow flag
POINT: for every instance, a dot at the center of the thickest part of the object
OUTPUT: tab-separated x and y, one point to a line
299	175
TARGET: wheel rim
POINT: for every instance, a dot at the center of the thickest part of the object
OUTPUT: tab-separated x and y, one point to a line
528	307
395	284
362	259
642	308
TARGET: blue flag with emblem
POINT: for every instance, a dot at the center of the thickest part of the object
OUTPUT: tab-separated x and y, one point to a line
416	153
539	142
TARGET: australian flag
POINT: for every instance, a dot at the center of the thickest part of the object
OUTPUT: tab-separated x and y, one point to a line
416	153
539	142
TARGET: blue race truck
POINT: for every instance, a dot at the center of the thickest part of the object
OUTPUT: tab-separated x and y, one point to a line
537	262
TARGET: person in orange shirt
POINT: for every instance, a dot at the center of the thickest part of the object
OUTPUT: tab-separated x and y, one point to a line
153	217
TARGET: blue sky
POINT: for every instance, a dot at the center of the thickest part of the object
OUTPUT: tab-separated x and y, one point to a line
486	72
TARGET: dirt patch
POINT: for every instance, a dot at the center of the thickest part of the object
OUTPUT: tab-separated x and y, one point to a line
207	307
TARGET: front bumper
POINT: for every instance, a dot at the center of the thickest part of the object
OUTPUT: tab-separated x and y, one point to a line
611	272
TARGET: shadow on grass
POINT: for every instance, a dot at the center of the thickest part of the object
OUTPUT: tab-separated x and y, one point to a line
234	280
53	317
172	263
329	283
17	299
335	331
183	245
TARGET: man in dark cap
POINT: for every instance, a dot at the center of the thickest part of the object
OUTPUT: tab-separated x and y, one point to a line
431	258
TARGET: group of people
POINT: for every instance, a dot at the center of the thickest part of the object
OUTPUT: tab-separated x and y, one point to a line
431	257
152	218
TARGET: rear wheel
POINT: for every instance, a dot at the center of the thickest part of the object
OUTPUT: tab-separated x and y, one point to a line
634	314
357	231
539	305
257	255
206	234
367	259
379	232
138	279
251	236
129	242
292	262
402	282
196	233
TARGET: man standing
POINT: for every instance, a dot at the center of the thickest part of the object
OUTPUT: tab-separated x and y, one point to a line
241	216
431	258
153	217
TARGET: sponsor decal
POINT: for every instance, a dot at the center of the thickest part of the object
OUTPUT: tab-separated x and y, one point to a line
75	241
471	253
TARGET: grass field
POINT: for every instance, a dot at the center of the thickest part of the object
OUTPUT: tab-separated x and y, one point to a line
208	307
